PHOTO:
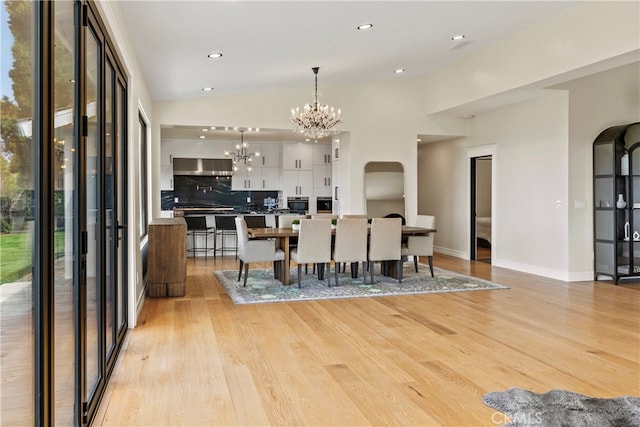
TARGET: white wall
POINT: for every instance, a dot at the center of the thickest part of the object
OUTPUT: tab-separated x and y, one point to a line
530	227
138	100
544	154
564	47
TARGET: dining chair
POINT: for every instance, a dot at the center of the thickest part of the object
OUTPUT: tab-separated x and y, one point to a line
396	215
314	246
252	251
354	216
351	245
421	245
284	220
324	216
385	244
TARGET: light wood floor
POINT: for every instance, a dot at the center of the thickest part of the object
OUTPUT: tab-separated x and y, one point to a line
407	360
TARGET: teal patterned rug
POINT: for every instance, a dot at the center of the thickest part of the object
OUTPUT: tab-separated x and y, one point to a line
262	287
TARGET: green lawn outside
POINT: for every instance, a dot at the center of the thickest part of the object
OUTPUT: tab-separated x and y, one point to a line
16	254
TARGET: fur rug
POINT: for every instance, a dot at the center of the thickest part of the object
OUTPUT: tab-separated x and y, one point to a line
560	408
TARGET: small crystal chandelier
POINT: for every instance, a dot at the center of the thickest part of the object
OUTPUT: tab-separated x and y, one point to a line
242	154
316	119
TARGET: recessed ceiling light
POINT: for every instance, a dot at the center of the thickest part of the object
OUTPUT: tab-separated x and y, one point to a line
457	37
202	137
207	89
364	26
399	70
205	130
212	127
215	55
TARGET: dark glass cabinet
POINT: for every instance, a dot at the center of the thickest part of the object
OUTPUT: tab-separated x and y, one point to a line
616	202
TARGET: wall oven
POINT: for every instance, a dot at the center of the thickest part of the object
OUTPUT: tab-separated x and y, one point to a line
299	205
324	205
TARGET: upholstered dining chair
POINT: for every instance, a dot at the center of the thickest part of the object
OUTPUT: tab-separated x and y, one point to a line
324	216
421	245
351	245
314	246
251	251
284	220
385	244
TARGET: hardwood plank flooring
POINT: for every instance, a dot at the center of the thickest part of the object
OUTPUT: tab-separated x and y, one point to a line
200	360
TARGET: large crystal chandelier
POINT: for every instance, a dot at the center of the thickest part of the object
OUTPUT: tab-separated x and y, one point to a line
242	154
316	119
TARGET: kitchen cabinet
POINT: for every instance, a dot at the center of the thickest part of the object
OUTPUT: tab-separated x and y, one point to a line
321	154
322	177
166	177
297	156
269	155
256	179
297	183
244	179
270	178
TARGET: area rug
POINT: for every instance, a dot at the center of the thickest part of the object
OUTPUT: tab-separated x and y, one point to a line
262	287
558	408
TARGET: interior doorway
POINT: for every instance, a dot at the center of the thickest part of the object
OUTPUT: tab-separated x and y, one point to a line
481	208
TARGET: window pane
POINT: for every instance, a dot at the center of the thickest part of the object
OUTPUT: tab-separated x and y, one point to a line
16	213
93	218
110	225
64	148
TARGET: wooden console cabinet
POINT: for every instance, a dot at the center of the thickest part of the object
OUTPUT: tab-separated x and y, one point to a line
167	261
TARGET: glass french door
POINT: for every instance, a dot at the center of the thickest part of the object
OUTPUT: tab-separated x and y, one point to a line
103	316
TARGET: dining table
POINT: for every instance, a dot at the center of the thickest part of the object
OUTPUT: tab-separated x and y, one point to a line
283	237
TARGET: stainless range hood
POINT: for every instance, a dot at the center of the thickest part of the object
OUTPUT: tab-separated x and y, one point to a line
202	167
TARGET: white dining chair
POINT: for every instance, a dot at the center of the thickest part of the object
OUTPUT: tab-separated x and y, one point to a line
351	245
421	245
385	243
324	216
284	220
252	251
314	246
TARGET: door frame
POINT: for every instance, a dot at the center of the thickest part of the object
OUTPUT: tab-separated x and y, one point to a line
472	154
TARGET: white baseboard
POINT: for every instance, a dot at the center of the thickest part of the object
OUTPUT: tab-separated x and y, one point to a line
140	303
579	276
451	252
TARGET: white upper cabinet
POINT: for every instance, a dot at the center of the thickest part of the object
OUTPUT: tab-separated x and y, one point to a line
297	156
270	178
321	154
297	183
269	156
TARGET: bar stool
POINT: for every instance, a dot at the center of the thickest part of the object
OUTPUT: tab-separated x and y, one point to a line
226	226
197	227
256	221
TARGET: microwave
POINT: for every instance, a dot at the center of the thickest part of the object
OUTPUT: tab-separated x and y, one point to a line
324	205
299	205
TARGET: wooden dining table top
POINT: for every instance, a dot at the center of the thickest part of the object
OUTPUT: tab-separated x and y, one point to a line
268	233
